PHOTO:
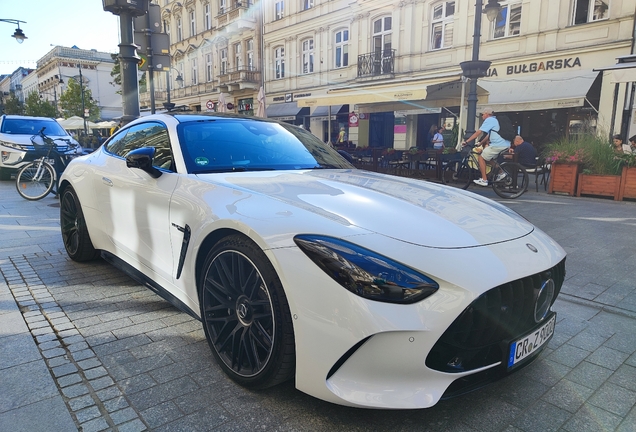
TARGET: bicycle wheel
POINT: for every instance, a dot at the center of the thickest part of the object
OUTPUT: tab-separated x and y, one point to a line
513	184
457	174
35	180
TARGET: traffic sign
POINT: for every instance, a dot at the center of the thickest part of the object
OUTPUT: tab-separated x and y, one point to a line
209	105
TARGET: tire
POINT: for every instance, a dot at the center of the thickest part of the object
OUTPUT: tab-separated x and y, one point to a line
245	314
77	241
34	185
514	184
457	174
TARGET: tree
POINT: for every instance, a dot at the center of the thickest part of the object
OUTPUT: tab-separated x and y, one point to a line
13	105
38	107
71	102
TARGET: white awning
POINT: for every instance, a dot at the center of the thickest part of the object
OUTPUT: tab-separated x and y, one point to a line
538	92
622	72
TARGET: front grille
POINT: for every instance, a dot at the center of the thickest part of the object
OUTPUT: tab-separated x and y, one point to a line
481	334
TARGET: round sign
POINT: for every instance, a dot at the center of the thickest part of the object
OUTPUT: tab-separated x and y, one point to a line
230	106
209	105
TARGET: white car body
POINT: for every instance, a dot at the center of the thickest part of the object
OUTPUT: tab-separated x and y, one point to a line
466	243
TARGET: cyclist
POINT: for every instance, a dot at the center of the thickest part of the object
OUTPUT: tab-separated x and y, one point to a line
496	146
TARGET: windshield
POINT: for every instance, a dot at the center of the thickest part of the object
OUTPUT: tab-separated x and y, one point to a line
31	127
228	144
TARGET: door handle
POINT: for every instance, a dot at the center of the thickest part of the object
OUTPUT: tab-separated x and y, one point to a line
107	181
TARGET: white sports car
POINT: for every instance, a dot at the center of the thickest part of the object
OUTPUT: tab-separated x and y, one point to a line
370	290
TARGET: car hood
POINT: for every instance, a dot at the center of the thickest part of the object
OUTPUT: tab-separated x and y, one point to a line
418	212
25	140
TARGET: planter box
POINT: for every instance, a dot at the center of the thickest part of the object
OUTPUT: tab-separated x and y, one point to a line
628	183
563	178
603	185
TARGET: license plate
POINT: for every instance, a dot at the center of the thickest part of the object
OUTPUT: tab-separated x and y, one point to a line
527	345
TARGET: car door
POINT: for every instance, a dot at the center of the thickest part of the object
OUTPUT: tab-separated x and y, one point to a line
134	205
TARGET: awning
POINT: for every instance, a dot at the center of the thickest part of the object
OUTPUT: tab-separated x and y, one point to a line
323	111
285	111
538	92
429	93
621	72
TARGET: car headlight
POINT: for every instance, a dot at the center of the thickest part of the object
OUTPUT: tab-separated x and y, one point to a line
364	272
12	145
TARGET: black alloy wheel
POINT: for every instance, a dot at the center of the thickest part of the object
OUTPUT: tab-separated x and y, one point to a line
77	241
245	314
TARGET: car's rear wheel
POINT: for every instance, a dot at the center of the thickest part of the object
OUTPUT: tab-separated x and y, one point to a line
77	241
245	314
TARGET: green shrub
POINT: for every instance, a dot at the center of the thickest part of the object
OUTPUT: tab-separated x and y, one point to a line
594	153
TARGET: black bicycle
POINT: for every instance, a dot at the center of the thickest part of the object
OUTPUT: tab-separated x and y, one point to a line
37	179
508	179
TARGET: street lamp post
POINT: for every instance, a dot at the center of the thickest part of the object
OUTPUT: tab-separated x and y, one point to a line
81	83
169	105
18	34
476	68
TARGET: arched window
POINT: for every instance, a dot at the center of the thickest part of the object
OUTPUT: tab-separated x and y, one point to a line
341	44
279	62
308	56
442	25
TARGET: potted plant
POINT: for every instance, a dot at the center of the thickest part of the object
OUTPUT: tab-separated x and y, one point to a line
601	169
565	157
628	177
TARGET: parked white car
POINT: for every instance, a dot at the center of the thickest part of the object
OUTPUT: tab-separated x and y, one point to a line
15	140
370	290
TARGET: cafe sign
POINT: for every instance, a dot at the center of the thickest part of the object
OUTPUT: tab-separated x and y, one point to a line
537	66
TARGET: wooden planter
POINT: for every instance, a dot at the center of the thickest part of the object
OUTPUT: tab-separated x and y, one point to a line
563	178
596	184
628	183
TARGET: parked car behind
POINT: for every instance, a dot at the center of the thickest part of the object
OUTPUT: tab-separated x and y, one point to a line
15	140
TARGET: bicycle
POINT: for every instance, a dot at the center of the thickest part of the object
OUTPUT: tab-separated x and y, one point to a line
36	179
512	184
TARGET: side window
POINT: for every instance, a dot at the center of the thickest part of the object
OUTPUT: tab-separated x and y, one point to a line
150	134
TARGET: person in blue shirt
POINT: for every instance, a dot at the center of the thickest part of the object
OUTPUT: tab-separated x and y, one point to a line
526	153
497	144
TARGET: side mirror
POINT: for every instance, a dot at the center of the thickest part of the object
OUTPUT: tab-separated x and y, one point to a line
142	158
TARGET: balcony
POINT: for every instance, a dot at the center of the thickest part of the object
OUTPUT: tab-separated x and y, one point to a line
237	12
240	78
376	64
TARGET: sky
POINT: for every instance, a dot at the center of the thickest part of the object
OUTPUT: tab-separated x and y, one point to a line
83	23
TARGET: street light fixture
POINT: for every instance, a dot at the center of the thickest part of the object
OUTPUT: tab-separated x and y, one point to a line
476	68
169	105
18	34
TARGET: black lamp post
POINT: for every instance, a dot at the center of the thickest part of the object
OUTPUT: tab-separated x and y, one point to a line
169	105
18	34
476	68
81	83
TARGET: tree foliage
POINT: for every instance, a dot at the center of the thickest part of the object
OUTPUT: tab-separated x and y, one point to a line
116	74
35	106
12	105
71	102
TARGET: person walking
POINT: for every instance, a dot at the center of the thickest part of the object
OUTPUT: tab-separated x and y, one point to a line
497	144
438	139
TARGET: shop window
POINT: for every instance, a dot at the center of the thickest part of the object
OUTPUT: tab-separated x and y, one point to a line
280	6
308	56
590	10
508	21
279	62
442	25
342	48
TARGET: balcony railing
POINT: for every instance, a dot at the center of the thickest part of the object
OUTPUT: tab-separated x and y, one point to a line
376	63
243	74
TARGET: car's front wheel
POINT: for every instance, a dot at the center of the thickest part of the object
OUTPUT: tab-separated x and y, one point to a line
245	314
77	241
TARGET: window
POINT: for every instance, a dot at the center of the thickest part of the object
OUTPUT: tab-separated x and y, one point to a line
342	48
149	134
208	67
442	25
195	75
279	9
590	10
207	23
166	28
508	21
193	24
179	30
308	56
250	54
222	6
238	57
307	4
279	62
223	61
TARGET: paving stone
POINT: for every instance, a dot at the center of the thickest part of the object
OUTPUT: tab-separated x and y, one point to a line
108	393
54	352
115	404
123	415
568	395
614	399
97	372
81	402
590	375
607	357
75	390
161	393
83	355
58	361
89	363
623	342
68	380
592	419
95	425
101	383
568	355
87	414
625	377
132	426
161	414
64	369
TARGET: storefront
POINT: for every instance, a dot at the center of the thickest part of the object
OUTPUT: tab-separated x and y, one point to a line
319	122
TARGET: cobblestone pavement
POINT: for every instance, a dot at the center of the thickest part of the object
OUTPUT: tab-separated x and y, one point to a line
84	347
